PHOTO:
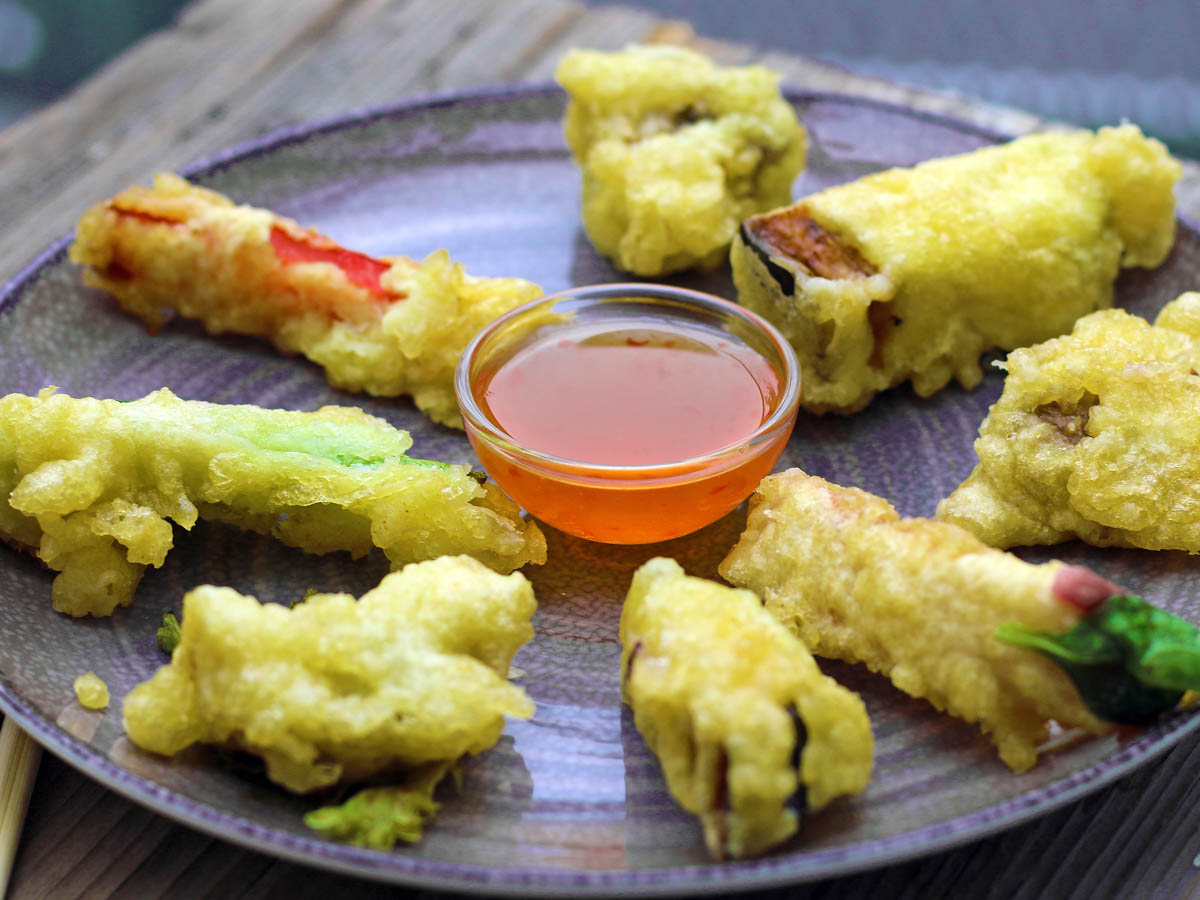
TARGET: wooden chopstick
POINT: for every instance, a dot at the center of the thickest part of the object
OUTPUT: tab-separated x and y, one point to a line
19	758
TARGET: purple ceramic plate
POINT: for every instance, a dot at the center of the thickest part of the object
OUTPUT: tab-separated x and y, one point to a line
570	801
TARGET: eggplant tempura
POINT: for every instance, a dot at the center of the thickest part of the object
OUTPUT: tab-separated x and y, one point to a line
911	274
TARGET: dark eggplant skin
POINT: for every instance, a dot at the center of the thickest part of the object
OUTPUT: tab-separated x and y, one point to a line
798	802
785	279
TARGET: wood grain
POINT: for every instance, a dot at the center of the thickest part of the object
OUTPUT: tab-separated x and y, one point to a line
228	71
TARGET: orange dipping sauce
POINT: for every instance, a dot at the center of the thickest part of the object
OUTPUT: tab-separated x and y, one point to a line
635	416
626	395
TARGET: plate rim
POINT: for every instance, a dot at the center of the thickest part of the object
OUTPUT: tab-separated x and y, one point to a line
777	870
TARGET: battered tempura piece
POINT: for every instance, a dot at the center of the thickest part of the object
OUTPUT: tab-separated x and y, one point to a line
745	725
1096	436
675	152
911	274
957	623
382	326
92	487
407	679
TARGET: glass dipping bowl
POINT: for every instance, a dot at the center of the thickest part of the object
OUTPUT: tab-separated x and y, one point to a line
614	502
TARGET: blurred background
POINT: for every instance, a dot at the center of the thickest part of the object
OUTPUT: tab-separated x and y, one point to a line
1089	62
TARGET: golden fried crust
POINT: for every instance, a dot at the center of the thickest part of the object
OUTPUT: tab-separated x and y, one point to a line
95	485
716	685
336	689
385	327
912	274
914	599
675	151
1096	436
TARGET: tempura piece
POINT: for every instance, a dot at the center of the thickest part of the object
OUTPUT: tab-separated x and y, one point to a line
1096	436
745	725
407	679
385	327
92	487
911	274
675	151
978	632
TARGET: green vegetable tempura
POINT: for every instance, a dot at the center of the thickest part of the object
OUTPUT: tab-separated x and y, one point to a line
92	487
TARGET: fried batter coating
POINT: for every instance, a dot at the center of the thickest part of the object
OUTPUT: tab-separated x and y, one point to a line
337	690
675	151
377	817
91	691
919	601
911	274
385	327
92	487
740	717
1095	436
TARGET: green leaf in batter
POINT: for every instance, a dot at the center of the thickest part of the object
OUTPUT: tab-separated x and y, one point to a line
1130	661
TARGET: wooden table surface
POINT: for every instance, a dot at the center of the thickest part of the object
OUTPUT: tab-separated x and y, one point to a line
228	71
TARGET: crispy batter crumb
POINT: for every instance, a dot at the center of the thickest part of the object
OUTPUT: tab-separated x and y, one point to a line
91	691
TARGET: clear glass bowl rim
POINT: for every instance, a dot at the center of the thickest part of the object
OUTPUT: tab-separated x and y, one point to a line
486	429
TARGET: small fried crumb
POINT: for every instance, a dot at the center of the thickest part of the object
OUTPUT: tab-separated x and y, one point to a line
91	691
